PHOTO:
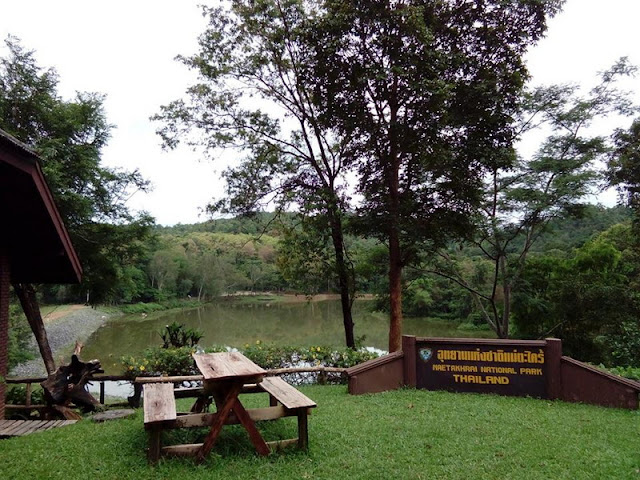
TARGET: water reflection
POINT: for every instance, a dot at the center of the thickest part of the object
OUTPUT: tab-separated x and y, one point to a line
306	324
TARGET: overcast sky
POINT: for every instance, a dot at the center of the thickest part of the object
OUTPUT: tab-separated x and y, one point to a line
126	50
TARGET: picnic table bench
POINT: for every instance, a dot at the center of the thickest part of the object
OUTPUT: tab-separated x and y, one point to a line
160	412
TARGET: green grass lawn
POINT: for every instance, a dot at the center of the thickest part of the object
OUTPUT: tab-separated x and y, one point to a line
405	434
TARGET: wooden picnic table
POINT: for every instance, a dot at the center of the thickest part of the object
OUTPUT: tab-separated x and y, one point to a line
224	375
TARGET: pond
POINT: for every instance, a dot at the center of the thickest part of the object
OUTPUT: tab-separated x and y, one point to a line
236	324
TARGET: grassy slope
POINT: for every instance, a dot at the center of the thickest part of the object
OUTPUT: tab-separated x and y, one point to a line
403	434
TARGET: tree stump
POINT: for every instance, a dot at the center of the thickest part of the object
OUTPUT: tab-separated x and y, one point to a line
68	385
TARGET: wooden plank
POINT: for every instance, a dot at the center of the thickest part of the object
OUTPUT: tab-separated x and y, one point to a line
177	379
281	444
30	426
28	395
218	422
224	365
9	430
206	419
189	392
303	430
186	450
18	428
24	407
159	403
289	396
250	427
53	424
25	427
155	444
5	424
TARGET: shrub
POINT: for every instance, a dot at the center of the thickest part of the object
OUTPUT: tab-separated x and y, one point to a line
17	395
176	336
178	361
632	373
20	349
274	357
158	361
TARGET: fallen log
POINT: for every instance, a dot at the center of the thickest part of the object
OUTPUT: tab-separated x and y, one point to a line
68	385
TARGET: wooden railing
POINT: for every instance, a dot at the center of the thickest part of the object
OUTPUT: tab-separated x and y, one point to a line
29	381
134	401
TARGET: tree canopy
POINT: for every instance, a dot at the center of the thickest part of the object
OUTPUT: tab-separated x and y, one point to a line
426	91
252	96
69	136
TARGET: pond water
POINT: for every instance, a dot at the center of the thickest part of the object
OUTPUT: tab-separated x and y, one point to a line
234	324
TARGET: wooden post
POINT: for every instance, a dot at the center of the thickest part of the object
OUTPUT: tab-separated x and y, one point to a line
4	326
155	444
303	429
102	393
409	361
27	402
553	361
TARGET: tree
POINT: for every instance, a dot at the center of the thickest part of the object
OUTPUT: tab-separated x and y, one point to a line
68	136
253	97
624	168
522	199
426	92
589	299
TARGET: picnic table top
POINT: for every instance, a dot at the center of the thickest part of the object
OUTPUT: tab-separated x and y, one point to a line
226	366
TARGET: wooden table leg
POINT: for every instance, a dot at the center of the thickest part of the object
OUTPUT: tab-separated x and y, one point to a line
155	444
219	421
250	427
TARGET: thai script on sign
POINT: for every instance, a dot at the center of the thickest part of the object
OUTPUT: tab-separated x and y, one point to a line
493	356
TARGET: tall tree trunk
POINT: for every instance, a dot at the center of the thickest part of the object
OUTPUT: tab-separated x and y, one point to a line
392	175
346	291
27	295
395	292
503	330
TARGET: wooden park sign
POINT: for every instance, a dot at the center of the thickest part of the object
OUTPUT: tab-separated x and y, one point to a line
534	368
483	366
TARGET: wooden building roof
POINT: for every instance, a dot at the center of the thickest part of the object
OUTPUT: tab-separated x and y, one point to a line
31	229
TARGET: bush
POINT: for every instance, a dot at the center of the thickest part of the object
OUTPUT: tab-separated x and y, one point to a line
17	395
158	361
150	307
272	357
632	373
624	345
176	336
20	336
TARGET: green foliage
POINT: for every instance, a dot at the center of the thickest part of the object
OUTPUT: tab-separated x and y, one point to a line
624	166
157	307
632	373
276	356
20	336
176	336
291	159
523	198
17	395
624	344
589	300
160	361
69	136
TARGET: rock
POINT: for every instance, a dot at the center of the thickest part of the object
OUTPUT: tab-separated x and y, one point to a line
113	415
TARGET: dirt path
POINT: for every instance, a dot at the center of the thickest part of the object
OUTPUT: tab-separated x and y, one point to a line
60	311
